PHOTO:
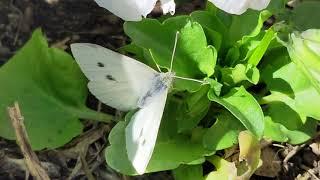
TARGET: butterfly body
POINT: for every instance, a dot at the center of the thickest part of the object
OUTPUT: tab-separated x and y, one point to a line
161	83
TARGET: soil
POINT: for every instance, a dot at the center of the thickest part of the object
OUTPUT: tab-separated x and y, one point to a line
69	21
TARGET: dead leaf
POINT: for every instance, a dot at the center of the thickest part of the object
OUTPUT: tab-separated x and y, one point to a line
271	166
315	147
224	169
249	156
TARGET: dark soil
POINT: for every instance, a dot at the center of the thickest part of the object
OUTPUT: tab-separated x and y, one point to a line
68	21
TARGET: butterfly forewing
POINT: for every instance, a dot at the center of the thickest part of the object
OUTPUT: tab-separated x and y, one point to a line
115	79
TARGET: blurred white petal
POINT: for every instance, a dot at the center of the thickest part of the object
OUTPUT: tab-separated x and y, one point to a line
134	10
259	4
168	6
240	6
128	10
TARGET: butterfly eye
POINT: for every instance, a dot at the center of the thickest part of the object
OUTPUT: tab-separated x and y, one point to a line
100	64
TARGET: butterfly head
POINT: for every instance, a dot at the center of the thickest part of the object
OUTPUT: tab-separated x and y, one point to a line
167	78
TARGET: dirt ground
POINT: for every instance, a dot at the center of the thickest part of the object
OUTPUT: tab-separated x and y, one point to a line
69	21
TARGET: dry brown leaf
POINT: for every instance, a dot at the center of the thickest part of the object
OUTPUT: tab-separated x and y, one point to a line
271	166
315	147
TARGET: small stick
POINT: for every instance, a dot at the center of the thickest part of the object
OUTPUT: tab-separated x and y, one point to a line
31	159
85	167
310	171
293	152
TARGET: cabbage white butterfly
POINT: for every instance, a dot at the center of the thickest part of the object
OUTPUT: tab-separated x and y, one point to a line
126	84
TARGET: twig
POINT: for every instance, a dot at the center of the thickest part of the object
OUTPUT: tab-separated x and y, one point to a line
295	150
81	144
31	159
61	44
85	167
310	171
75	170
278	145
26	177
99	107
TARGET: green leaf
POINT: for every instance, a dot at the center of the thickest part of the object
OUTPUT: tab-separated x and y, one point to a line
285	113
51	92
171	150
277	6
277	132
237	30
116	153
309	9
241	72
253	44
289	85
259	51
194	108
244	107
232	57
193	57
292	98
215	86
210	21
251	28
215	30
213	38
224	133
136	50
304	50
185	172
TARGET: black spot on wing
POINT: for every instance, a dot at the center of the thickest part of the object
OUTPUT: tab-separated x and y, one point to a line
143	142
100	64
111	78
141	133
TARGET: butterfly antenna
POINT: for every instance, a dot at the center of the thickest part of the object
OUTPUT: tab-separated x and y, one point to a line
190	79
174	50
154	60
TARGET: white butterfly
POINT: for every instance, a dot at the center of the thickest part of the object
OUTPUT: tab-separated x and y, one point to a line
125	84
240	6
133	10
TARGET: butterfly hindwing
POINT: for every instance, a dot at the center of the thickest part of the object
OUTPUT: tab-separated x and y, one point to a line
142	130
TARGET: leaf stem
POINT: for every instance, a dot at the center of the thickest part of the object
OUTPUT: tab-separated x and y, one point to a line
94	115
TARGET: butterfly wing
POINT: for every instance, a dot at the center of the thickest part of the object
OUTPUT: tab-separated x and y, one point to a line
142	130
129	10
115	79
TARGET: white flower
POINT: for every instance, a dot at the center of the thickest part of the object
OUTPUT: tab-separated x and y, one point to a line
240	6
134	10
